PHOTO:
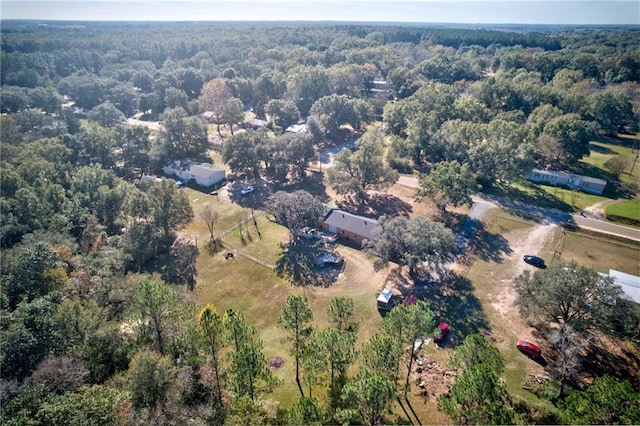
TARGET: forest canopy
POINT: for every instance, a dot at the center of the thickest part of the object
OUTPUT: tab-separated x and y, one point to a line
94	261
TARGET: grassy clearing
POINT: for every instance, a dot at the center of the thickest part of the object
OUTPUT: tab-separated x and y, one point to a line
259	293
229	214
576	199
604	150
261	241
489	278
597	251
627	211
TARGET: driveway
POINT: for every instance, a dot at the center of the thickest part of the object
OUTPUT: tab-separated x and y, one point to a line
327	156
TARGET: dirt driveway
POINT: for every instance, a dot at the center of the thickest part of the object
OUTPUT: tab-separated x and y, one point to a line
529	241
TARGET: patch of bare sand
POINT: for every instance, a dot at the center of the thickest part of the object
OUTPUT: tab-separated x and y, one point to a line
531	243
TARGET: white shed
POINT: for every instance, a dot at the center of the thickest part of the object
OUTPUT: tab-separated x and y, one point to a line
385	300
204	174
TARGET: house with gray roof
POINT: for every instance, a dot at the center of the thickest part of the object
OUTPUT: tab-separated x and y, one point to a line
348	225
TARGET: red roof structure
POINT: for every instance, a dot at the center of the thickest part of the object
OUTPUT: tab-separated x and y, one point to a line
410	300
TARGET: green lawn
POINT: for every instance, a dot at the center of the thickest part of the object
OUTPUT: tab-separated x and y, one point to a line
605	149
626	211
258	292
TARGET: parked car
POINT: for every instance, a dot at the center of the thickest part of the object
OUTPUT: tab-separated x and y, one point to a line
246	189
329	259
529	349
181	183
441	333
534	260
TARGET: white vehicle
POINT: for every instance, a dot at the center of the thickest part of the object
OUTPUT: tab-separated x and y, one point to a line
246	189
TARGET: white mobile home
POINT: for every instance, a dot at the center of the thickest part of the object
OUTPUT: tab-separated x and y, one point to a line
630	284
568	180
204	174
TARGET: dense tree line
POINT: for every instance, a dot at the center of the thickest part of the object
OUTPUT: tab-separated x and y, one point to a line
91	330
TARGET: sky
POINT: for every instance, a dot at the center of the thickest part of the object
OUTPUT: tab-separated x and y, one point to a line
576	12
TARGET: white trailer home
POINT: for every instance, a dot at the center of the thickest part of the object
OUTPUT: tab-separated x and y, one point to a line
204	174
568	180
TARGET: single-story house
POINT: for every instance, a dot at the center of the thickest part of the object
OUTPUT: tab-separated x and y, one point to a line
297	128
568	180
348	225
255	123
630	284
204	174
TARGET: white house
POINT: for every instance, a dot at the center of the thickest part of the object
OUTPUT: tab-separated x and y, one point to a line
568	180
297	128
204	174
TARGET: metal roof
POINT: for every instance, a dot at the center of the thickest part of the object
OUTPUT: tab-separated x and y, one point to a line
349	222
630	284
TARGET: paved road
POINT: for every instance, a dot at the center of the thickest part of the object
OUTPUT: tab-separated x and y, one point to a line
481	202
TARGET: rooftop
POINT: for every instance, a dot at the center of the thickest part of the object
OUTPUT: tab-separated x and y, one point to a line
349	222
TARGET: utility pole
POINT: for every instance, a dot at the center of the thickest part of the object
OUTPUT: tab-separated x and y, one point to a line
636	150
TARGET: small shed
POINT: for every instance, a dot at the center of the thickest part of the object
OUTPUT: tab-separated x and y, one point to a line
255	123
385	302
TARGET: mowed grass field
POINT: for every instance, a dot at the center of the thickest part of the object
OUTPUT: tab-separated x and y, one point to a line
257	291
596	251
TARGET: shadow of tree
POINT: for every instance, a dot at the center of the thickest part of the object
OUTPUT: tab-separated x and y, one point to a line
297	265
180	264
376	205
600	149
380	204
600	360
452	301
604	355
312	183
486	245
534	195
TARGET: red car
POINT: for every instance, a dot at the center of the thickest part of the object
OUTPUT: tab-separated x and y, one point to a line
529	348
443	329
